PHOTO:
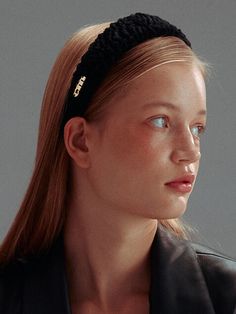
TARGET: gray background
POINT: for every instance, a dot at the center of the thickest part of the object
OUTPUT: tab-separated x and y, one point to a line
33	32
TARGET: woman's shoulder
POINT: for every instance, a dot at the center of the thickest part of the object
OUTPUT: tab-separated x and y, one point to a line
207	274
213	262
10	287
219	272
32	281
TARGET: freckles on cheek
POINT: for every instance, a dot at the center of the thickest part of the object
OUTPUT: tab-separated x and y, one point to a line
136	148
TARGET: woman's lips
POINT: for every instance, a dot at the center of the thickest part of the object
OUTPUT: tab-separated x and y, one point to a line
183	184
182	187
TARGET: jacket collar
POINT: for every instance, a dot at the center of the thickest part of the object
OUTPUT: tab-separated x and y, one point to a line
177	282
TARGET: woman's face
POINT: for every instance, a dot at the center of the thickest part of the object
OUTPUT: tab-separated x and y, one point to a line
151	137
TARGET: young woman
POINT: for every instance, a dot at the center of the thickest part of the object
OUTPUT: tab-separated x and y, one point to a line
117	158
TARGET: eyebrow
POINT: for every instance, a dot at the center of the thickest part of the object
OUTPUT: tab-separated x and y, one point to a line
171	106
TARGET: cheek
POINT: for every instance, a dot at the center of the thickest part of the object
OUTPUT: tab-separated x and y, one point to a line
137	148
124	160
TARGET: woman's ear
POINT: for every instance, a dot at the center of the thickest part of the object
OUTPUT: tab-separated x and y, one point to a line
76	141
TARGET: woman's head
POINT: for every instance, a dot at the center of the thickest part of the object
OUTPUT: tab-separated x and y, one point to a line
50	186
141	59
149	138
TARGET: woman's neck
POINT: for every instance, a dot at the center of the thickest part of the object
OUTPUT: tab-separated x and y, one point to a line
107	253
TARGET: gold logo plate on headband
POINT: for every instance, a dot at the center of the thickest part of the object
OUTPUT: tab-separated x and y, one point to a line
79	86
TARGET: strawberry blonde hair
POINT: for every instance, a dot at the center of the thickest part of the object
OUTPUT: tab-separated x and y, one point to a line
42	213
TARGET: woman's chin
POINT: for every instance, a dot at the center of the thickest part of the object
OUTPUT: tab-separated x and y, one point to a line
169	211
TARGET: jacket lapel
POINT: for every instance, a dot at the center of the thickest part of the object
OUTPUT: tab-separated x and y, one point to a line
177	284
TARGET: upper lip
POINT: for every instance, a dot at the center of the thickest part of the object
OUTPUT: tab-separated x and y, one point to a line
188	178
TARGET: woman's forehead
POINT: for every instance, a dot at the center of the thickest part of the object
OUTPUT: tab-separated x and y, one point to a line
173	83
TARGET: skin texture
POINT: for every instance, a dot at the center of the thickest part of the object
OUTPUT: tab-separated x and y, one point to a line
119	170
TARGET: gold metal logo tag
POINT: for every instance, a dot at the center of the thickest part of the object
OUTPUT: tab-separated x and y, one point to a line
79	86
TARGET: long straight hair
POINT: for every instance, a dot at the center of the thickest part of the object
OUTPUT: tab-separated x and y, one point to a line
42	213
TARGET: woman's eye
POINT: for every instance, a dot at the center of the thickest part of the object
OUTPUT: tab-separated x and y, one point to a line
198	130
160	122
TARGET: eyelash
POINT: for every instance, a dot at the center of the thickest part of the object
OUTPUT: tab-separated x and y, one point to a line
201	128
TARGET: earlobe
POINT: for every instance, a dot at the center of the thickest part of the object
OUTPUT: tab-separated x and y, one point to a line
75	139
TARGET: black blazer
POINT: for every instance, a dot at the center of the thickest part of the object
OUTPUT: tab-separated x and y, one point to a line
186	278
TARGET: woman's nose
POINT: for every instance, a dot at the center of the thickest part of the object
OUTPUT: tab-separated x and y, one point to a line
186	148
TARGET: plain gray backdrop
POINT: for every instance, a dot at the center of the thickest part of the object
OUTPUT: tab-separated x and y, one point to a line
33	32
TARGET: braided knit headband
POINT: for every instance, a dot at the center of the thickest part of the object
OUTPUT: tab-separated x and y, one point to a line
106	50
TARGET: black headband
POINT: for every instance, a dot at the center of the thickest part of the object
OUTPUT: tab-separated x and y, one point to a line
106	50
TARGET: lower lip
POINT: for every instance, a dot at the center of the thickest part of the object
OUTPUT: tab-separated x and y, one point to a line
180	186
